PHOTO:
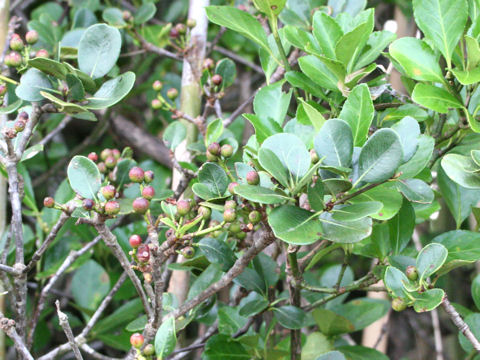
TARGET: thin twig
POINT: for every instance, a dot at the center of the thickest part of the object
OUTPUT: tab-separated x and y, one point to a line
63	320
8	326
238	58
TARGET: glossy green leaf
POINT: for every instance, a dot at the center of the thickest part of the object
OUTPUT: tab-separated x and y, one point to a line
174	134
210	275
345	232
221	347
213	179
312	115
31	84
420	159
271	8
459	169
253	304
364	311
272	102
416	190
467	77
49	67
316	344
327	33
435	98
227	70
264	128
290	317
475	290
394	280
165	338
376	43
217	252
315	196
271	163
230	321
316	70
111	91
90	284
114	16
145	13
356	211
334	141
428	300
214	131
401	228
430	259
331	323
84	177
387	195
332	355
358	352
294	225
99	49
408	130
260	194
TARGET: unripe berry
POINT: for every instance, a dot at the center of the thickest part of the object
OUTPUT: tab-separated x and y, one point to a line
101	167
110	162
398	304
149	350
188	252
230	204
208	64
172	93
254	217
314	156
42	53
217	79
49	202
137	340
105	154
191	23
112	207
231	187
13	59
226	150
143	253
235	227
181	28
135	241
183	207
412	273
157	85
214	148
3	89
211	157
31	37
140	205
116	153
93	156
136	174
148	192
19	126
88	204
156	104
229	215
204	212
241	235
16	42
174	33
126	15
108	192
252	178
149	176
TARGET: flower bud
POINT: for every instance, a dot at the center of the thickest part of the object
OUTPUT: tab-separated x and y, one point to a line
101	167
116	153
140	205
156	104
126	15
191	23
214	148
149	350
49	202
149	176
136	174
172	93
241	235
174	33
235	227
229	215
42	53
148	192
208	64
93	156
3	89
252	178
412	273
16	42
211	157
110	162
183	207
105	154
230	204
137	340
314	156
226	150
181	28
108	192
135	241
31	37
13	59
112	207
157	85
232	186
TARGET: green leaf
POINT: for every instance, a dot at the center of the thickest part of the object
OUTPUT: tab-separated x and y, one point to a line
332	355
49	67
62	106
75	87
238	21
111	91
420	159
122	315
312	115
473	52
459	199
165	338
31	83
114	17
292	153
221	347
473	322
317	71
345	232
428	300
90	284
137	325
11	108
442	22
430	259
145	13
217	252
99	49
358	352
294	225
226	68
230	321
394	281
376	43
315	196
251	280
260	194
302	81
327	33
463	248
317	344
253	304
271	163
174	134
387	195
417	59
356	211
264	128
459	169
84	177
358	113
364	311
290	317
214	177
272	102
380	157
467	77
331	323
334	141
416	190
210	275
476	291
408	130
401	228
435	98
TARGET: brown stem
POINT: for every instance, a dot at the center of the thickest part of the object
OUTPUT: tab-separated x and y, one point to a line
63	320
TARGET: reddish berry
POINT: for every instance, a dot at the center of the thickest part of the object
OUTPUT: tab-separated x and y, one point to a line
188	252
208	64
232	186
143	253
13	59
88	204
127	15
156	104
105	154
157	85
23	116
108	192
19	126
214	148
191	23
226	150
101	167
136	174
204	212
31	37
116	153
93	156
230	204
252	178
217	79
229	215
398	304
110	162
49	202
16	42
172	93
148	192
112	207
181	28
135	241
149	176
137	340
183	207
149	350
42	53
254	217
3	89
174	33
412	273
211	157
140	205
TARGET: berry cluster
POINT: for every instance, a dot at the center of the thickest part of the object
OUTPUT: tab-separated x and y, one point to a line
160	102
215	152
399	304
137	341
21	52
18	126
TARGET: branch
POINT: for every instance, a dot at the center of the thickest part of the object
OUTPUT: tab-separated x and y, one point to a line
95	355
154	49
8	326
56	131
238	58
63	320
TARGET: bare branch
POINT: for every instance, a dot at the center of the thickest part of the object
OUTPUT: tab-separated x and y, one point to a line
8	326
154	49
63	320
238	58
95	355
56	131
